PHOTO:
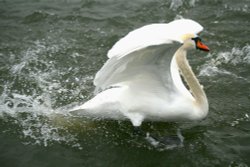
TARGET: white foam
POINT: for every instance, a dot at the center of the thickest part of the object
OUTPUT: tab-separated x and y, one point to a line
161	146
29	97
237	7
214	65
237	121
176	4
210	69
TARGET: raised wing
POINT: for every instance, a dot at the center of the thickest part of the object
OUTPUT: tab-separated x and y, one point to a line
154	34
152	62
144	51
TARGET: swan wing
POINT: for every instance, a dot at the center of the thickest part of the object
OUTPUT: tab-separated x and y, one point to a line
141	47
154	34
149	66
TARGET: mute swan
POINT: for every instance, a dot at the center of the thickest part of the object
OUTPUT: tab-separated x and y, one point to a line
141	79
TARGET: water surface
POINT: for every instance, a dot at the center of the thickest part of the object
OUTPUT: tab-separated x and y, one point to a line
50	52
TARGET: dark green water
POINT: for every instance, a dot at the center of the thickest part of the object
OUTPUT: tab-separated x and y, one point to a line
50	51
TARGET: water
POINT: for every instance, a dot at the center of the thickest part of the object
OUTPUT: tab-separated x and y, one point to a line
50	52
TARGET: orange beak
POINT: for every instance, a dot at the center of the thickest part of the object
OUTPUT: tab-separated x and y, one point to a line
202	46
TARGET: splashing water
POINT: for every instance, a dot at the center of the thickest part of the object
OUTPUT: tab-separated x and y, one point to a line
218	65
166	143
27	101
175	4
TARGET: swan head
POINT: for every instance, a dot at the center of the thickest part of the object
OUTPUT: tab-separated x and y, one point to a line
186	32
193	41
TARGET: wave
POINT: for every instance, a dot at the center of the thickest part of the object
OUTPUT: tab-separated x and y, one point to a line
39	16
237	7
176	4
218	63
235	56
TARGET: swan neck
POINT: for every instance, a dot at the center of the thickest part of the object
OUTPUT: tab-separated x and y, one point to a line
190	78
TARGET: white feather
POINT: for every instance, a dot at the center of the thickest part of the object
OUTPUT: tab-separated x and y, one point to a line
154	34
140	81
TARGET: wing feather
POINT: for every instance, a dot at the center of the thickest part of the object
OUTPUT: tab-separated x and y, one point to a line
154	34
153	61
144	51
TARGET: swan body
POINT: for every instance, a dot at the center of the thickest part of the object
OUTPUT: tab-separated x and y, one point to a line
141	80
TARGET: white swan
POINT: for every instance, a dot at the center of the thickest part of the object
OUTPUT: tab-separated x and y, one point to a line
141	79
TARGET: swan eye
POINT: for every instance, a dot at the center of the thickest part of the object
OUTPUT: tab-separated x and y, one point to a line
196	39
